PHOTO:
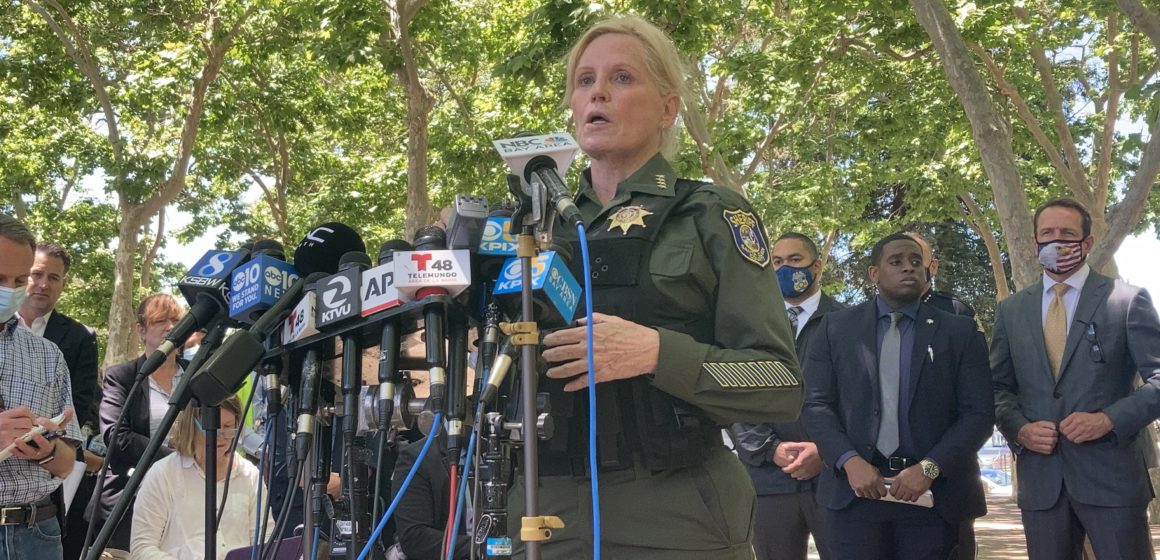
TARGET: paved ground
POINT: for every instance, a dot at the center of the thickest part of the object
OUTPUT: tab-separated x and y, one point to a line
1000	533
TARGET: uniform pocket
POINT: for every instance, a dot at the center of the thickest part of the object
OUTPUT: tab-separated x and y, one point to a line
671	260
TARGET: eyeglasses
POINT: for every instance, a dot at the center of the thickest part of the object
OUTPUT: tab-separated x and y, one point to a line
222	433
1096	353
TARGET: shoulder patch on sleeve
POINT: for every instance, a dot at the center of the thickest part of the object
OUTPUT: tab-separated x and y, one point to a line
747	236
751	375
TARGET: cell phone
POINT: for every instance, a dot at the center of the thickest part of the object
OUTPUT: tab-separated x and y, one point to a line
27	438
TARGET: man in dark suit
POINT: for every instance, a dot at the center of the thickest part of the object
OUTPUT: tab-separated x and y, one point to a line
966	548
78	343
897	391
781	459
946	301
1065	355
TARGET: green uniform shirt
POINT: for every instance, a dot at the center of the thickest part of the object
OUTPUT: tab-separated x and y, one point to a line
750	373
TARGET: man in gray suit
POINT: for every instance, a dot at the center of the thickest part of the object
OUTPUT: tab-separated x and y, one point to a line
1064	358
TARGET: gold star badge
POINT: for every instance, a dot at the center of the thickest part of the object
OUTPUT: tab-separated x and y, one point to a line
627	217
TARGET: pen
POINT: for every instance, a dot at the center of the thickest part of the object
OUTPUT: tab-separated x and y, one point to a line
930	352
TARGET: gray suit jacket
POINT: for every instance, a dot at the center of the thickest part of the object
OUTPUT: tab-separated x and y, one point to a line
1121	321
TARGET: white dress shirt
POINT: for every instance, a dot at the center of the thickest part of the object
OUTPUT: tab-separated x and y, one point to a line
1070	297
809	307
38	324
169	512
159	399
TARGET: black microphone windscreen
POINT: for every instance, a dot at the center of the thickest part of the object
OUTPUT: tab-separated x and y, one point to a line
388	248
321	249
354	258
311	282
430	238
269	247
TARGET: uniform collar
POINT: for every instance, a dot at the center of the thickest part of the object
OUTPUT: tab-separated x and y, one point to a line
656	177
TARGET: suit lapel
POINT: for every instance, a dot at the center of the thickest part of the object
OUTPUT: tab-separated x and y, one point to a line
1091	298
868	342
54	329
925	325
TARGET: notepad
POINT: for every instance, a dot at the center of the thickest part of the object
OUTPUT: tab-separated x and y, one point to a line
926	500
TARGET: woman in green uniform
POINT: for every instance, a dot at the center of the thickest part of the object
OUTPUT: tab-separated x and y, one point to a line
690	330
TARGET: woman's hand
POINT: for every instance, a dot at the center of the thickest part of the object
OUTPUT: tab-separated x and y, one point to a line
622	349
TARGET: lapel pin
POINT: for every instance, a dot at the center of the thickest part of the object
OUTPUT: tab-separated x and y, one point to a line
930	321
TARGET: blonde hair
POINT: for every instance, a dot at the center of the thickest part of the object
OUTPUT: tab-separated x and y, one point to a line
184	435
661	60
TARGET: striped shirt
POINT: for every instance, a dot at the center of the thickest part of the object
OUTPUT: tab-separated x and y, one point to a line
32	373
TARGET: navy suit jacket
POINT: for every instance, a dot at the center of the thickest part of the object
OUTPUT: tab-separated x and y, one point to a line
128	442
1120	319
78	343
757	442
951	409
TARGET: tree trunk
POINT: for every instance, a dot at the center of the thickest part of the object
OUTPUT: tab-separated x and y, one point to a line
990	135
123	344
978	223
419	210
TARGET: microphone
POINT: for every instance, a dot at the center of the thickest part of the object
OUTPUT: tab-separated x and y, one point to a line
378	289
321	248
258	284
311	377
339	301
465	226
544	157
555	292
432	268
389	341
497	238
498	372
430	240
222	373
206	287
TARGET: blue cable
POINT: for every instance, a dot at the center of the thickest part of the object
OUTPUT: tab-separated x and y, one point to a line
463	486
258	515
314	549
436	425
591	394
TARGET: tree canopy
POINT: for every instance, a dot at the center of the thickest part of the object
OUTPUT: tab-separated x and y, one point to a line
844	120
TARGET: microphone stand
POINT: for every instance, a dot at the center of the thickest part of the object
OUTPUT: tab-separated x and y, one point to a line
210	420
180	398
354	463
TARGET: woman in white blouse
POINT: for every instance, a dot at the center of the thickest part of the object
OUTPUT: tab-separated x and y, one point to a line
169	518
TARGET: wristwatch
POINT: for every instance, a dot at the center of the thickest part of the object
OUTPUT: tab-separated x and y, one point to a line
930	469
